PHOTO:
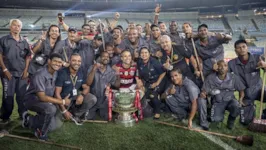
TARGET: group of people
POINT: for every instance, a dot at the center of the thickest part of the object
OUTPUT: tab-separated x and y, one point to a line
178	73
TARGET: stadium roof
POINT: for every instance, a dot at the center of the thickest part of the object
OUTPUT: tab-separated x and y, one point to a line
136	5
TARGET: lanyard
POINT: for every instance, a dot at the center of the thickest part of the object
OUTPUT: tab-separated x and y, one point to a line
74	80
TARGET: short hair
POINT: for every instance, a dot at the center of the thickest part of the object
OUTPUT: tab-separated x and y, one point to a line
15	20
117	28
160	22
177	70
202	25
101	54
55	55
239	42
221	61
165	37
125	51
109	44
144	47
139	25
75	54
91	21
188	24
120	27
85	25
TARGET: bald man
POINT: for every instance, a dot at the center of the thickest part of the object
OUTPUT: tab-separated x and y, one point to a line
173	56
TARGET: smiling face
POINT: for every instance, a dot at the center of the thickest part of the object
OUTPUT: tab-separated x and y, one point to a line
139	28
54	32
126	57
116	34
86	29
173	27
156	33
166	43
105	58
110	51
144	54
55	63
176	77
133	35
72	35
75	62
163	27
203	32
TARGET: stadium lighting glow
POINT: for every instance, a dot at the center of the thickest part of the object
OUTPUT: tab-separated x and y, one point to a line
89	16
255	10
32	25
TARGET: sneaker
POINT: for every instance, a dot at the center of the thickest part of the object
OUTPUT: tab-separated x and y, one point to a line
205	128
4	121
230	124
25	119
218	125
40	136
156	116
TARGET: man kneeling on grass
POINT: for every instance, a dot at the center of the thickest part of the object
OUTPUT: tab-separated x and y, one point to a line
182	97
221	86
39	98
72	81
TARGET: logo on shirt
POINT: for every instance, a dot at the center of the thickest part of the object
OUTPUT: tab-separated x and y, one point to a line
67	82
175	57
132	72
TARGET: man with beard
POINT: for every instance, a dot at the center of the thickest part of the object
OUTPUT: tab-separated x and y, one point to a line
247	67
187	43
210	48
174	35
161	24
84	34
68	46
221	86
118	43
14	61
173	56
181	97
140	31
154	42
101	76
39	98
134	42
72	81
97	45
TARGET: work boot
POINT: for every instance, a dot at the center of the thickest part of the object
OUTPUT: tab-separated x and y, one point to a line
25	119
4	121
156	116
40	136
231	122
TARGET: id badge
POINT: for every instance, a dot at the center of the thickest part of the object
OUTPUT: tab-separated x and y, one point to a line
75	92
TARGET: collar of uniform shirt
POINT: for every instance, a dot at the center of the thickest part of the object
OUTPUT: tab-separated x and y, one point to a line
250	59
204	43
71	45
11	37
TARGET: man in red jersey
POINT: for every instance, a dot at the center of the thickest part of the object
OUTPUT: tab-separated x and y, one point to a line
128	73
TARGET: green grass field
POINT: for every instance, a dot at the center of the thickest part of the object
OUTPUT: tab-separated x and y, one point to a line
146	135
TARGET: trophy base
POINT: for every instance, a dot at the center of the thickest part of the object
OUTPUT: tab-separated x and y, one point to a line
125	119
